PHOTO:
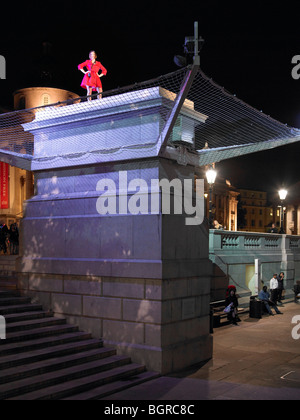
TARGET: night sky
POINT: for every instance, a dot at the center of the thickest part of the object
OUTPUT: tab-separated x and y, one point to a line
248	49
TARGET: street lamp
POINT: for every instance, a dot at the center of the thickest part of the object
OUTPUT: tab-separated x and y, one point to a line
282	195
211	174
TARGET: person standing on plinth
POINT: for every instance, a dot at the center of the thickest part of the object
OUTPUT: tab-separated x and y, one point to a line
91	81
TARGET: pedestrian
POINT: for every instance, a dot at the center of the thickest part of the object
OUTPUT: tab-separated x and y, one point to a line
274	288
273	229
217	225
280	280
264	296
14	239
3	237
232	302
91	81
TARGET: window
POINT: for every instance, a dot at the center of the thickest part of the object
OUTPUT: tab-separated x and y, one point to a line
45	99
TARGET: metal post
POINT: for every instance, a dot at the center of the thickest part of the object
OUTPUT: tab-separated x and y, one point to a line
196	44
181	97
281	218
210	207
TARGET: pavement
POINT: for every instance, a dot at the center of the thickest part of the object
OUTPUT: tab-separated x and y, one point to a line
257	360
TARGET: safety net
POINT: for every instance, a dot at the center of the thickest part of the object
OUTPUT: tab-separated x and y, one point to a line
212	122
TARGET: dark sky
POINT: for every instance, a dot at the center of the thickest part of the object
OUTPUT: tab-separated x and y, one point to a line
248	49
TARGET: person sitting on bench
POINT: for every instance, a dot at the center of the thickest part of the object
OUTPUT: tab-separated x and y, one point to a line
231	299
264	296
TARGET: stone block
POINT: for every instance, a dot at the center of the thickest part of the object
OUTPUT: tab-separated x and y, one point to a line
46	283
153	335
153	289
83	287
89	325
188	308
127	288
101	307
146	311
123	332
67	304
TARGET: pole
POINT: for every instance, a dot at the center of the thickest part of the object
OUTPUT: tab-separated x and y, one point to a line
210	207
281	217
181	97
196	45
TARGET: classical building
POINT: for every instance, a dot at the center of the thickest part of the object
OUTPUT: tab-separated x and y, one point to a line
292	222
33	97
258	213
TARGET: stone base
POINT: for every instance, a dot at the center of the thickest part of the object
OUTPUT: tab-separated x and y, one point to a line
163	324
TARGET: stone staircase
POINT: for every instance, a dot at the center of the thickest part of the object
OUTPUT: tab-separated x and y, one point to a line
44	358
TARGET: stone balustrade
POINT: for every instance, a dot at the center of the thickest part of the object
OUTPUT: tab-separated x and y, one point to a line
234	255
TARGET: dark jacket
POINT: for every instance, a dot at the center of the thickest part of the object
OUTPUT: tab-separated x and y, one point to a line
232	299
280	283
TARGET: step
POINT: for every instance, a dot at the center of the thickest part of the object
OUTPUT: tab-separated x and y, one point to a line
41	343
8	293
15	300
33	323
4	310
114	387
13	389
19	359
53	364
86	383
26	316
37	333
8	285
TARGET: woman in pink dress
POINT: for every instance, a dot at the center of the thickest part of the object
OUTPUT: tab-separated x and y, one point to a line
91	81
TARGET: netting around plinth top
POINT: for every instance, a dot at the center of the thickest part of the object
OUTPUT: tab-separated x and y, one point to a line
230	122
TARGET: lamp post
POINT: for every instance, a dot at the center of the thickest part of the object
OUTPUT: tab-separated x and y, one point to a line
211	174
282	195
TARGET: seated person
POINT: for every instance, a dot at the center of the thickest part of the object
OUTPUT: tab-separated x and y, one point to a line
264	296
273	229
231	299
217	225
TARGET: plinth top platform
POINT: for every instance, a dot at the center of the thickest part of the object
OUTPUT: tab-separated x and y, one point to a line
116	128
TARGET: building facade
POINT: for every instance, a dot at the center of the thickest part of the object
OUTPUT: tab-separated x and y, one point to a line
259	214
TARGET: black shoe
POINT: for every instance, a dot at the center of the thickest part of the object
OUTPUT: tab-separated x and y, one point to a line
279	313
271	314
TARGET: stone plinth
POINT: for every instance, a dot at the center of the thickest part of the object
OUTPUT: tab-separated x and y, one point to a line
140	281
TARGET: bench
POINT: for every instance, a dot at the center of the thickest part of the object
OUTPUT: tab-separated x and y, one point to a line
218	314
